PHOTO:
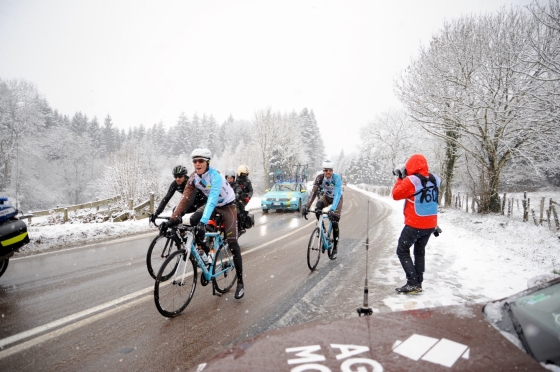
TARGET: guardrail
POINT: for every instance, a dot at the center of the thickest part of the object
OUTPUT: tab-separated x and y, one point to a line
133	210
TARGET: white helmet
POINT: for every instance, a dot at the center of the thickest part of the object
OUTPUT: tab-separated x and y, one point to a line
328	164
230	173
243	169
201	153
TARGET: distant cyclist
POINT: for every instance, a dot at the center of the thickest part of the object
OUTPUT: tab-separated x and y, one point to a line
221	198
244	192
230	177
180	174
331	184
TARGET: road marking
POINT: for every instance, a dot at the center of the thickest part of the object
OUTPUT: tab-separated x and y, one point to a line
70	318
59	332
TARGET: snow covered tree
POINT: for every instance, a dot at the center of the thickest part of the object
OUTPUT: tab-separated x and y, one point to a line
21	114
471	89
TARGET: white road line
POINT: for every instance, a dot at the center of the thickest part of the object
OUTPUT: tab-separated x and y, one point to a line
71	318
59	332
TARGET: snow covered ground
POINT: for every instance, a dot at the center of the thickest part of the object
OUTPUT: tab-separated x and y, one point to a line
477	257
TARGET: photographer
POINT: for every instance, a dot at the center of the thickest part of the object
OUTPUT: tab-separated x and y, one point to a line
420	190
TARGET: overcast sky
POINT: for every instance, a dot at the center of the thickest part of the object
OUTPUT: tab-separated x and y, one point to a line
146	61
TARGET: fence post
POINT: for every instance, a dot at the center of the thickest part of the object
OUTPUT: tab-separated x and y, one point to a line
130	204
467	203
97	209
152	202
525	207
556	218
29	218
542	211
504	204
509	204
534	217
65	214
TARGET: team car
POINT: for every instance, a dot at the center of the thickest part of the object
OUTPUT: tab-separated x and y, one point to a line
13	233
285	195
517	333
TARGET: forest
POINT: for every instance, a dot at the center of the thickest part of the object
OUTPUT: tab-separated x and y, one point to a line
49	159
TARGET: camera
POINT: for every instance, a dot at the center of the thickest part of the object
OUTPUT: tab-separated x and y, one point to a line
400	171
437	231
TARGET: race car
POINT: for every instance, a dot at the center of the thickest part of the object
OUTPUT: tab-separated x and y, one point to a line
285	195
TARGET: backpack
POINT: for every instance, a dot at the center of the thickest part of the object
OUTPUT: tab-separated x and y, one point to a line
428	193
426	196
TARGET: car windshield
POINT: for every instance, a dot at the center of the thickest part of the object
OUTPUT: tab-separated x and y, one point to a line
536	318
284	187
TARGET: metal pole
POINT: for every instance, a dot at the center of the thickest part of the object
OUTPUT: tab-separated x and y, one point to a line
365	309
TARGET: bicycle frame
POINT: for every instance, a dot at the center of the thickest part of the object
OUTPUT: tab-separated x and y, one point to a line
324	233
218	242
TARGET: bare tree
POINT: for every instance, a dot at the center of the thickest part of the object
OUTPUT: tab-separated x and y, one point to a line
472	89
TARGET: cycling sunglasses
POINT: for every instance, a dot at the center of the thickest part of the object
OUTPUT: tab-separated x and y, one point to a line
199	160
327	170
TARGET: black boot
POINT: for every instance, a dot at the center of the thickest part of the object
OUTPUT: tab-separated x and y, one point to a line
240	291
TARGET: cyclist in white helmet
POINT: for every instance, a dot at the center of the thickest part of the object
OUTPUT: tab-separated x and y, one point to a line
230	177
221	198
331	184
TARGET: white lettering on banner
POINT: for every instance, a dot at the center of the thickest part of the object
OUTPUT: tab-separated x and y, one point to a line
444	352
345	366
311	367
349	350
305	354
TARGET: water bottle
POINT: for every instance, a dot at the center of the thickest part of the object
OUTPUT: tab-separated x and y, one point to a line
203	255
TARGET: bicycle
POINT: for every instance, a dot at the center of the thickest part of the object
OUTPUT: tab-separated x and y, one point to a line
177	278
320	241
162	245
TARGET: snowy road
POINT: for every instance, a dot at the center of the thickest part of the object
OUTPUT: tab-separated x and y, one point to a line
92	308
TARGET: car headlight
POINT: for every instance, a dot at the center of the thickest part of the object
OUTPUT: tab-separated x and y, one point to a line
293	199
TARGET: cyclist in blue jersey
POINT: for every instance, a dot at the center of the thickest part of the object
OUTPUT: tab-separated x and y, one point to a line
221	198
331	184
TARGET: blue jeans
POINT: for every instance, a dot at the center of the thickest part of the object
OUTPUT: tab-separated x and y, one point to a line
419	238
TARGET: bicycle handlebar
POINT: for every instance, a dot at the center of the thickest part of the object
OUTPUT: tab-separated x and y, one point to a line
315	211
158	217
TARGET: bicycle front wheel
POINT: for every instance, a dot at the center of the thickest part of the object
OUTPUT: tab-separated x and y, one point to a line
160	248
224	262
314	249
174	294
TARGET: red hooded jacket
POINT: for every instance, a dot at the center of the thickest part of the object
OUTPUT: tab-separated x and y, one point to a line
405	189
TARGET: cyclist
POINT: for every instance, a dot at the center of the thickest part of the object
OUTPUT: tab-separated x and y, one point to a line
221	198
178	185
243	191
331	184
230	177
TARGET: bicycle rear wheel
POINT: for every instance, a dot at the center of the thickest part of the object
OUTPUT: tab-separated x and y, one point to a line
160	248
173	295
224	261
314	249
